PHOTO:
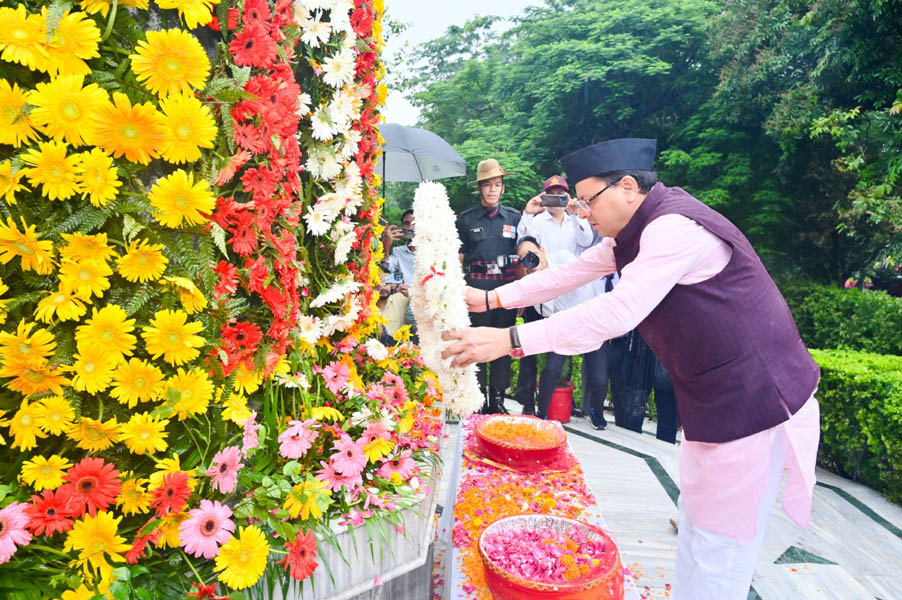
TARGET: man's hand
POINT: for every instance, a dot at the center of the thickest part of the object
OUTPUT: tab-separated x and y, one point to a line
391	235
534	206
403	289
475	300
572	206
476	345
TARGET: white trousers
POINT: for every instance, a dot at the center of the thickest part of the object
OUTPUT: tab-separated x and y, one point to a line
712	566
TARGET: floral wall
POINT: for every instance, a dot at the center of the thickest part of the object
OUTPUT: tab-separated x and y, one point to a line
192	392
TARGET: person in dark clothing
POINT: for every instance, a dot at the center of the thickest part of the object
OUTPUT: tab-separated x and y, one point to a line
488	235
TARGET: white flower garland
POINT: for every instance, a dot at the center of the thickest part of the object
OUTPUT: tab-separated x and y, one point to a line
437	295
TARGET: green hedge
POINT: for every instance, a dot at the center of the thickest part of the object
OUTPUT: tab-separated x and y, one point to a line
830	317
861	417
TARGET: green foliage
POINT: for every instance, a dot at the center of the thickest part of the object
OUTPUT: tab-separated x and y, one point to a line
828	317
861	417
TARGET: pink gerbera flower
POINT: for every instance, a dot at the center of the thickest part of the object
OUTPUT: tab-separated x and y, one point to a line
402	464
374	432
224	471
336	376
349	458
297	438
250	434
336	480
208	527
12	530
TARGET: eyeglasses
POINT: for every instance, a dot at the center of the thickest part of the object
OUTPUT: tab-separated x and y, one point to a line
584	204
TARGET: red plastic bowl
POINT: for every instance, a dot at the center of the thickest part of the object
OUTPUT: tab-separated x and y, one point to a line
518	454
604	582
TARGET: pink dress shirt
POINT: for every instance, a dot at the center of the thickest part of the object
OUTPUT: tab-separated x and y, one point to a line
721	484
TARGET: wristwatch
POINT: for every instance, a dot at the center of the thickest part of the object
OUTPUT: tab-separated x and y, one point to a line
516	348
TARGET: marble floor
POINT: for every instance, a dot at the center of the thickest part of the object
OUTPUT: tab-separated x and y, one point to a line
852	550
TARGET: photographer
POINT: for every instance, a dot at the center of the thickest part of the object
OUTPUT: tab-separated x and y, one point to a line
533	258
400	267
551	217
487	231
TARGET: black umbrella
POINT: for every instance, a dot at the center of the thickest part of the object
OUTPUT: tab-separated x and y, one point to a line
411	154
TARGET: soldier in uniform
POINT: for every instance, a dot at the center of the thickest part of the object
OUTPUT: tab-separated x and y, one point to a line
489	231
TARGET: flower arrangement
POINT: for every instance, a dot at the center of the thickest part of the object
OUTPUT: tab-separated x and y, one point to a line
191	393
437	296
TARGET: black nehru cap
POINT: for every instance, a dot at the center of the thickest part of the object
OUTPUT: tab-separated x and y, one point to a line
626	154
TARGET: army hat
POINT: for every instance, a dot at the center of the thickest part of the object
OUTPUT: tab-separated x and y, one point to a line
625	154
487	169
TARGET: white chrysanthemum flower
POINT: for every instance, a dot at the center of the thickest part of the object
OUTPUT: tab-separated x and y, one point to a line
376	349
321	124
343	108
343	247
336	292
309	328
315	31
322	163
304	102
338	69
340	15
318	221
331	202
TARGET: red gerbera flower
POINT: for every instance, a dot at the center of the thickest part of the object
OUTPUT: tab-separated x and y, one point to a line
256	11
228	278
49	513
92	485
236	162
254	47
249	137
139	546
244	241
301	560
260	180
172	495
206	592
362	23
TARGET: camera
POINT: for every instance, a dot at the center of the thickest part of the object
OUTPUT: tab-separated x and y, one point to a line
407	234
554	200
530	260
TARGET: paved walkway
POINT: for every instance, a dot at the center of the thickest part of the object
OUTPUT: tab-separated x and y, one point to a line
851	551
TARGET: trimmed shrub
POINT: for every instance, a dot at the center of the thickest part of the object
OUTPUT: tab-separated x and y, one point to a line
861	418
839	318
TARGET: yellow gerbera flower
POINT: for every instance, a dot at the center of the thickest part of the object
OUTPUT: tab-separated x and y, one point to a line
137	381
35	377
326	413
93	435
52	169
189	127
24	426
55	415
135	131
377	449
94	538
36	255
23	346
85	277
45	473
191	297
172	337
171	61
247	381
242	559
177	199
3	289
10	182
194	12
143	262
235	409
195	390
63	107
109	328
169	527
144	434
22	38
103	6
81	246
98	177
63	305
133	497
93	369
75	40
16	127
304	498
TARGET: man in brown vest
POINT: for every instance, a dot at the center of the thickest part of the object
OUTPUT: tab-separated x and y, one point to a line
702	300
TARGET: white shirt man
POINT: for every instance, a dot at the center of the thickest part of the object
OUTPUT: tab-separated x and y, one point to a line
555	227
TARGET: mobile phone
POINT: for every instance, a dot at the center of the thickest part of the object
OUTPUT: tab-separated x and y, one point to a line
554	200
